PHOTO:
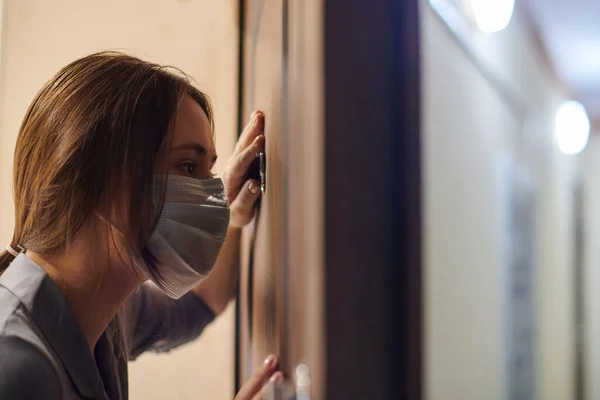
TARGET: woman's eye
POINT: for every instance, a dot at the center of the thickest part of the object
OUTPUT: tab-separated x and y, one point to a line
188	168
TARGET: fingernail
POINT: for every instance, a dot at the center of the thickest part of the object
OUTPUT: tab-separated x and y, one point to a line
255	117
253	188
270	361
257	141
277	378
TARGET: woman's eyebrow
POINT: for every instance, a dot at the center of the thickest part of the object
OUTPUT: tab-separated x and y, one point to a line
197	147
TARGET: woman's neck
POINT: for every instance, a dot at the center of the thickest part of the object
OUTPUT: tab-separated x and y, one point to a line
94	290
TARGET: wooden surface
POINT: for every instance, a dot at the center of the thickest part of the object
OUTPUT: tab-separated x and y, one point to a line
281	297
262	76
336	273
305	137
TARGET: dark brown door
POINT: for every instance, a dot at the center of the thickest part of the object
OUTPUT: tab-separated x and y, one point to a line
331	266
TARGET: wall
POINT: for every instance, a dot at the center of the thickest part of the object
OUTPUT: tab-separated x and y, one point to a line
555	278
590	170
198	36
469	131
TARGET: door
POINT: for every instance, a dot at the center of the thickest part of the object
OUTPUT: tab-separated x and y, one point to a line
330	265
262	252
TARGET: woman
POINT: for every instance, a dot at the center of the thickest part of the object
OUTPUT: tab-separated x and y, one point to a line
113	188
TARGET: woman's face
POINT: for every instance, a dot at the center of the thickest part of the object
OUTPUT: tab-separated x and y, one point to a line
193	152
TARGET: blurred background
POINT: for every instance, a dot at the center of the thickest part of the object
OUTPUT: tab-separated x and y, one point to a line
510	133
512	208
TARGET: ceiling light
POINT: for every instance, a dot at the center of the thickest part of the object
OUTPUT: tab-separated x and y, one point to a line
492	15
572	127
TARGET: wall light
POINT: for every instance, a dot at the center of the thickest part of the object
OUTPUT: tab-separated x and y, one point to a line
492	15
572	128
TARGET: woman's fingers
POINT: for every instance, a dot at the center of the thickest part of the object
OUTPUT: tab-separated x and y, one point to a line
254	128
241	163
237	168
254	386
241	193
242	208
276	378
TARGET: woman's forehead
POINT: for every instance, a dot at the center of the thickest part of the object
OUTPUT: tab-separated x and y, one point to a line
192	126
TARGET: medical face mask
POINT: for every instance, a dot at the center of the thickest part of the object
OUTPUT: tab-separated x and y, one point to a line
190	233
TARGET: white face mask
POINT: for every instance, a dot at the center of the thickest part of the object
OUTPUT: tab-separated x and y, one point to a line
190	233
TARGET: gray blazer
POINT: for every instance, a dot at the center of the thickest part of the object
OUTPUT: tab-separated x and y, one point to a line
44	355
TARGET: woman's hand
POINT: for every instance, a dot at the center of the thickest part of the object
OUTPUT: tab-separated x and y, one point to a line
253	389
241	193
220	286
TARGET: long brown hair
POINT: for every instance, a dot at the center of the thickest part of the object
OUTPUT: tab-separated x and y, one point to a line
94	133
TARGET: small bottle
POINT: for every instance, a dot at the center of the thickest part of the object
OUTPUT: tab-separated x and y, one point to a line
302	382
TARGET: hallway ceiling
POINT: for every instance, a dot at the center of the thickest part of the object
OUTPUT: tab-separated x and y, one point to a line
571	32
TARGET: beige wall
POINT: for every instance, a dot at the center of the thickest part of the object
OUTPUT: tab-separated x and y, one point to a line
198	36
469	131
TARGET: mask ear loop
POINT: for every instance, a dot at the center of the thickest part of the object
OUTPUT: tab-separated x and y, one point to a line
15	252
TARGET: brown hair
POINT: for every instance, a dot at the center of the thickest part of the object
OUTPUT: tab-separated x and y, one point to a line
94	133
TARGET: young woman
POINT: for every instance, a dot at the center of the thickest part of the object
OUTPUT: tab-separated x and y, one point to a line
118	222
